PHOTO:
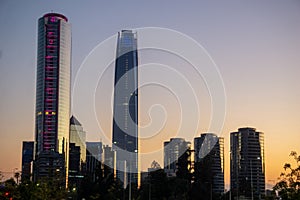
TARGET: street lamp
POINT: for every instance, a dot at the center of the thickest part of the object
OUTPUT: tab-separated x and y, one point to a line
257	158
16	174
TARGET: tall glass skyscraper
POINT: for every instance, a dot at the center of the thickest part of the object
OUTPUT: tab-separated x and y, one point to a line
52	97
125	114
247	164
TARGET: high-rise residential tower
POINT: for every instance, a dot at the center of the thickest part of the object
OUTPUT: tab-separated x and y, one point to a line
209	165
125	114
52	111
247	164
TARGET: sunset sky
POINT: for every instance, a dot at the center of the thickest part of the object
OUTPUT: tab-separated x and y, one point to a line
254	45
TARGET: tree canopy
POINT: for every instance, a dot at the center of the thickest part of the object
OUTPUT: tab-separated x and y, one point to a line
288	186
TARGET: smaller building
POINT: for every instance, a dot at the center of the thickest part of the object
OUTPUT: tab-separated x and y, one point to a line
93	159
75	172
146	176
27	160
78	137
108	159
50	165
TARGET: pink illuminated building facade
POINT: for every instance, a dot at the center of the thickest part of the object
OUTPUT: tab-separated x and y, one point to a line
52	112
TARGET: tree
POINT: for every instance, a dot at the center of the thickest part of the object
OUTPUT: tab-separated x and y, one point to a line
9	189
105	186
159	185
288	186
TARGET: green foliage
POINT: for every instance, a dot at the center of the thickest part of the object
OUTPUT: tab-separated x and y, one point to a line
31	191
104	187
288	186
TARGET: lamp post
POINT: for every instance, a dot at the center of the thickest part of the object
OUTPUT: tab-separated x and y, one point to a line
251	179
258	190
149	185
16	174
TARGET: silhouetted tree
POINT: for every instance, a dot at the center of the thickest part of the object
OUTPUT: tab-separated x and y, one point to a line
203	179
9	189
288	186
184	166
104	187
179	188
156	186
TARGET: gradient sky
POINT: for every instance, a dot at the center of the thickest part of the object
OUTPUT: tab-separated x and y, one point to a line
255	44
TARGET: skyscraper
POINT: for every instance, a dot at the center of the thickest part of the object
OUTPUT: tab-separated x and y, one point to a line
27	158
247	164
173	150
77	153
125	114
209	165
78	137
52	97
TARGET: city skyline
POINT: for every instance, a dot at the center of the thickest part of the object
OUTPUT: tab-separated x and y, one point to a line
251	56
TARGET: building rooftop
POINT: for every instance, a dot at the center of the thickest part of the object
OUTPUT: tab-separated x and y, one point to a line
56	15
74	121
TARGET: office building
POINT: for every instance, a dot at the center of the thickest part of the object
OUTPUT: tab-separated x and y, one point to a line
125	113
93	159
247	164
52	98
209	165
108	158
75	171
78	137
173	151
27	158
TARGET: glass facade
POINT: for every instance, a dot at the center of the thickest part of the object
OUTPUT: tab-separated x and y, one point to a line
125	121
209	162
78	137
27	158
52	96
247	164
